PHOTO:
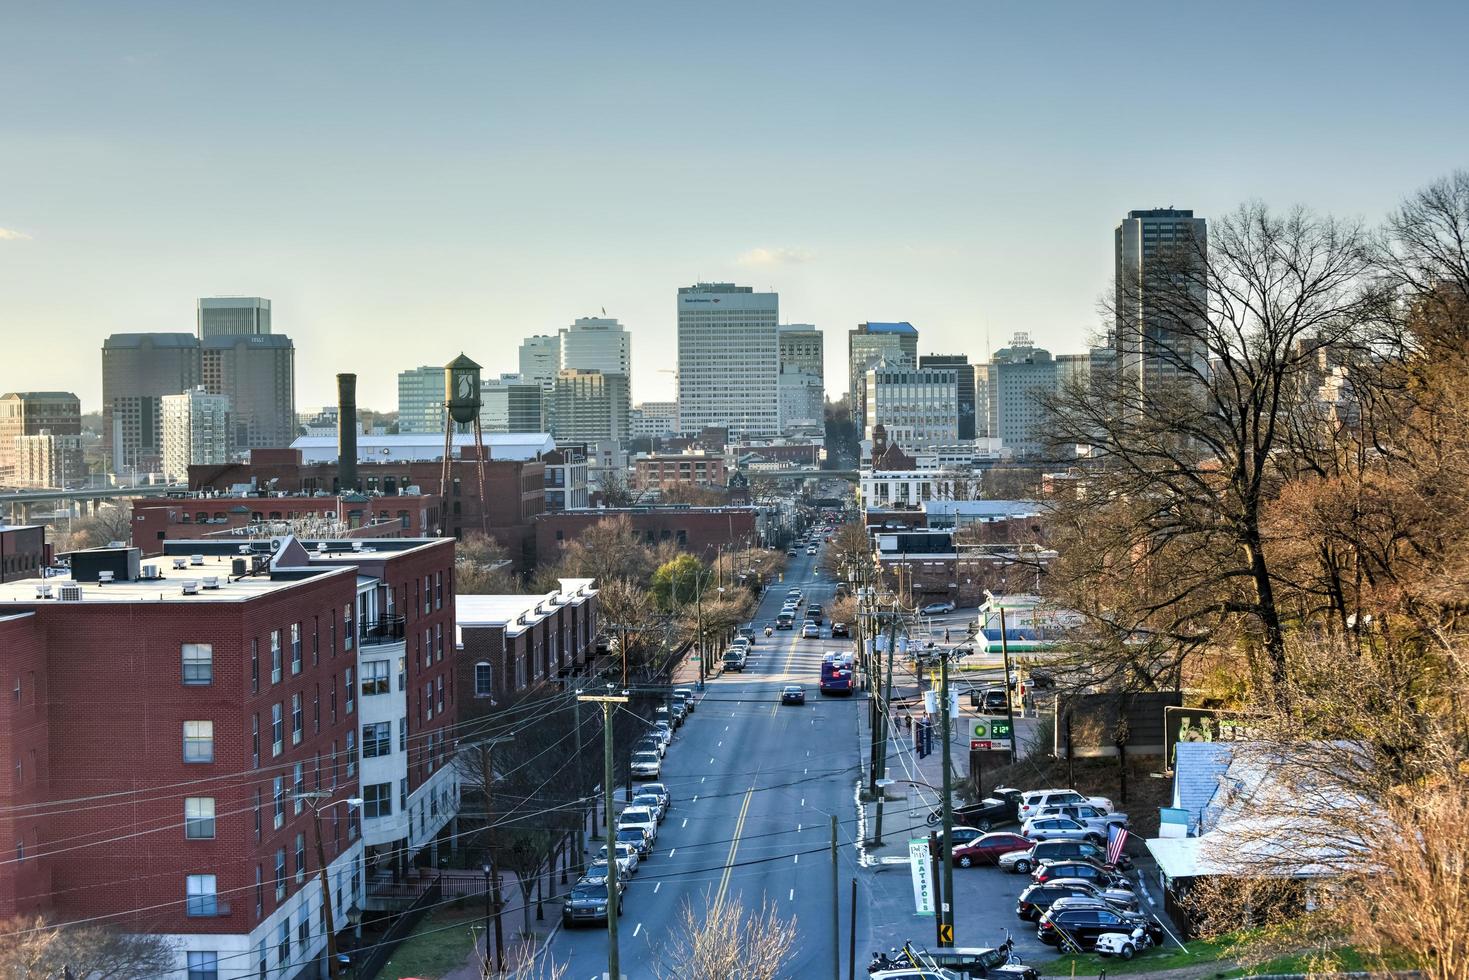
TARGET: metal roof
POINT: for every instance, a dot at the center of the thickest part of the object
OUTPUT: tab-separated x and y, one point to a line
902	326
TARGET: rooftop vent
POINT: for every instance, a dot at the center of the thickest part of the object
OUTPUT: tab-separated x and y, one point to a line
356	545
104	577
196	559
181	563
69	592
211	581
43	592
244	548
191	587
151	571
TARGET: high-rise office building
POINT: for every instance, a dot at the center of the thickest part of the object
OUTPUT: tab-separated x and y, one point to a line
1019	378
540	358
588	407
964	374
29	413
653	420
599	344
510	403
870	345
138	369
728	359
232	316
196	431
421	399
257	372
802	375
1160	265
917	406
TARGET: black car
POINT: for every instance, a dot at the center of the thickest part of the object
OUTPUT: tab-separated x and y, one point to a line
990	812
1036	899
792	694
994	701
1085	870
839	629
1064	850
588	902
1082	926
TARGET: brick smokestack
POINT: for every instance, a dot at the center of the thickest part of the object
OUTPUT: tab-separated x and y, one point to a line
346	432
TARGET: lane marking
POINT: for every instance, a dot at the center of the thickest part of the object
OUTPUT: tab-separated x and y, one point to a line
720	745
684	824
803	801
798	828
792	896
637	929
797	858
711	760
701	779
696	795
734	845
656	886
671	851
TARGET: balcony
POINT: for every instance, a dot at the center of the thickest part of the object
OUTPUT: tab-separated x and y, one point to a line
386	630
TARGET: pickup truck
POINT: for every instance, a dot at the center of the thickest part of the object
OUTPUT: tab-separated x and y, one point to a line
990	812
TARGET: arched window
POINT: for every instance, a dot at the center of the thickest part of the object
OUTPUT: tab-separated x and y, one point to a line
484	683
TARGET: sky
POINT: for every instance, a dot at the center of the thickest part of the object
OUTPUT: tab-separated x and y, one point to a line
406	181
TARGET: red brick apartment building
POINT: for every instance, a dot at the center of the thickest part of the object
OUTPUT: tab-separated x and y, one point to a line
653	472
208	514
515	490
699	530
186	700
511	643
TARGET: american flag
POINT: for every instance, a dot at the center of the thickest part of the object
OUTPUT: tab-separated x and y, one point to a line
1116	838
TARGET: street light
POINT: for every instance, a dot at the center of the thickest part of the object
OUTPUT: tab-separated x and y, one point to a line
316	800
486	961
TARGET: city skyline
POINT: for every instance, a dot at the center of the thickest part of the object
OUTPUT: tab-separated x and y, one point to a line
973	214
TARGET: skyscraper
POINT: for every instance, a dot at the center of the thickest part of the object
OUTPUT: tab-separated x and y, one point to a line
728	359
512	404
871	344
29	413
600	344
964	375
196	430
540	358
233	316
1019	378
138	369
588	407
1160	258
802	375
421	399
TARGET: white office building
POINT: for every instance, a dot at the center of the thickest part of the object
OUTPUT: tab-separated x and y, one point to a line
421	399
918	406
653	420
728	359
802	394
196	430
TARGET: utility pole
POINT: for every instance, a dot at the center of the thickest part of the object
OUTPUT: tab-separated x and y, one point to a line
884	712
1009	702
581	787
313	798
836	909
614	960
486	747
946	909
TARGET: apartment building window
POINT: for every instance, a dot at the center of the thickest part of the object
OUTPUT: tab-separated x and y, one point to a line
303	931
347	633
439	639
316	711
403	795
283	941
438	590
278	802
259	805
255	666
259	891
403	734
402	673
376	678
300	858
484	680
428	696
334	699
275	656
297	719
377	800
298	786
377	740
203	966
199	817
277	729
254	741
441	693
351	755
315	640
428	594
280	874
198	741
201	894
198	663
295	648
351	690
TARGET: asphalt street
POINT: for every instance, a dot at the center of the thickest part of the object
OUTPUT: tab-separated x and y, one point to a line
754	786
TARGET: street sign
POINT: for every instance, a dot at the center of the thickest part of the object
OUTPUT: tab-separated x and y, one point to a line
982	745
946	933
922	873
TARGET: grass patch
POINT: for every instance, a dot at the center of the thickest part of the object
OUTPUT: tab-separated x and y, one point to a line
440	944
1200	952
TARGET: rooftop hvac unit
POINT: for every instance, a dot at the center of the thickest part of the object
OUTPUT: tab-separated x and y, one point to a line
211	581
244	548
151	571
356	545
69	592
104	577
237	567
180	563
191	587
196	559
275	544
43	592
321	547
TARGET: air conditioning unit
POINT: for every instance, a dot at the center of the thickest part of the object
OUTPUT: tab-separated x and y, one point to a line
244	548
356	545
151	571
191	587
211	581
104	578
69	592
196	559
43	592
180	563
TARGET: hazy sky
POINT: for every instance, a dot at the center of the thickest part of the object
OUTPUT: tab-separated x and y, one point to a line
408	180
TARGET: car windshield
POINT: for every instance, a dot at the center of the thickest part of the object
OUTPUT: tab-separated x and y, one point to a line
589	892
645	799
645	757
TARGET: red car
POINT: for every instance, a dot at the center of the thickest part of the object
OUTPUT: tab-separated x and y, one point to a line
987	849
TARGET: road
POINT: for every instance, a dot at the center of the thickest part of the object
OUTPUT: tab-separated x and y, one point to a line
754	785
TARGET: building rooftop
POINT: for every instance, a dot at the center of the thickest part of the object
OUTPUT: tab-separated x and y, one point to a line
902	326
428	445
168	587
515	612
38	394
125	340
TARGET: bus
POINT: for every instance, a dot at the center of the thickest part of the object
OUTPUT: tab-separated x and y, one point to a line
836	674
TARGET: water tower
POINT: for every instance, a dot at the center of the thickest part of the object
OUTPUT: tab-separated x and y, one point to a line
461	407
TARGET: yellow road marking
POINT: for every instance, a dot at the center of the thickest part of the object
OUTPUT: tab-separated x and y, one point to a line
734	845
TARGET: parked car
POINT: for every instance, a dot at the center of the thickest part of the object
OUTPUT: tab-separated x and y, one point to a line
686	695
962	835
1032	800
1060	828
1085	870
627	858
938	608
993	701
663	715
1084	813
652	801
636	838
988	849
1036	898
651	743
659	790
792	694
734	660
665	731
992	811
1083	925
646	765
748	632
639	816
810	632
589	902
839	629
1055	850
679	709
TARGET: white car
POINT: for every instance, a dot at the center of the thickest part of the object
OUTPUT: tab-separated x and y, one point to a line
687	693
810	632
627	857
664	731
653	802
646	765
1084	813
641	817
1032	801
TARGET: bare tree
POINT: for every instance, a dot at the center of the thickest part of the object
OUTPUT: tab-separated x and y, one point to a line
111	522
725	940
33	947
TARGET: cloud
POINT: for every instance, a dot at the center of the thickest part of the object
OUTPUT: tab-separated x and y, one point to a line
775	256
11	235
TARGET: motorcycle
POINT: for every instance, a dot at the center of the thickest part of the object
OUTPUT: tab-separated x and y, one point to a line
891	960
769	632
1123	944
